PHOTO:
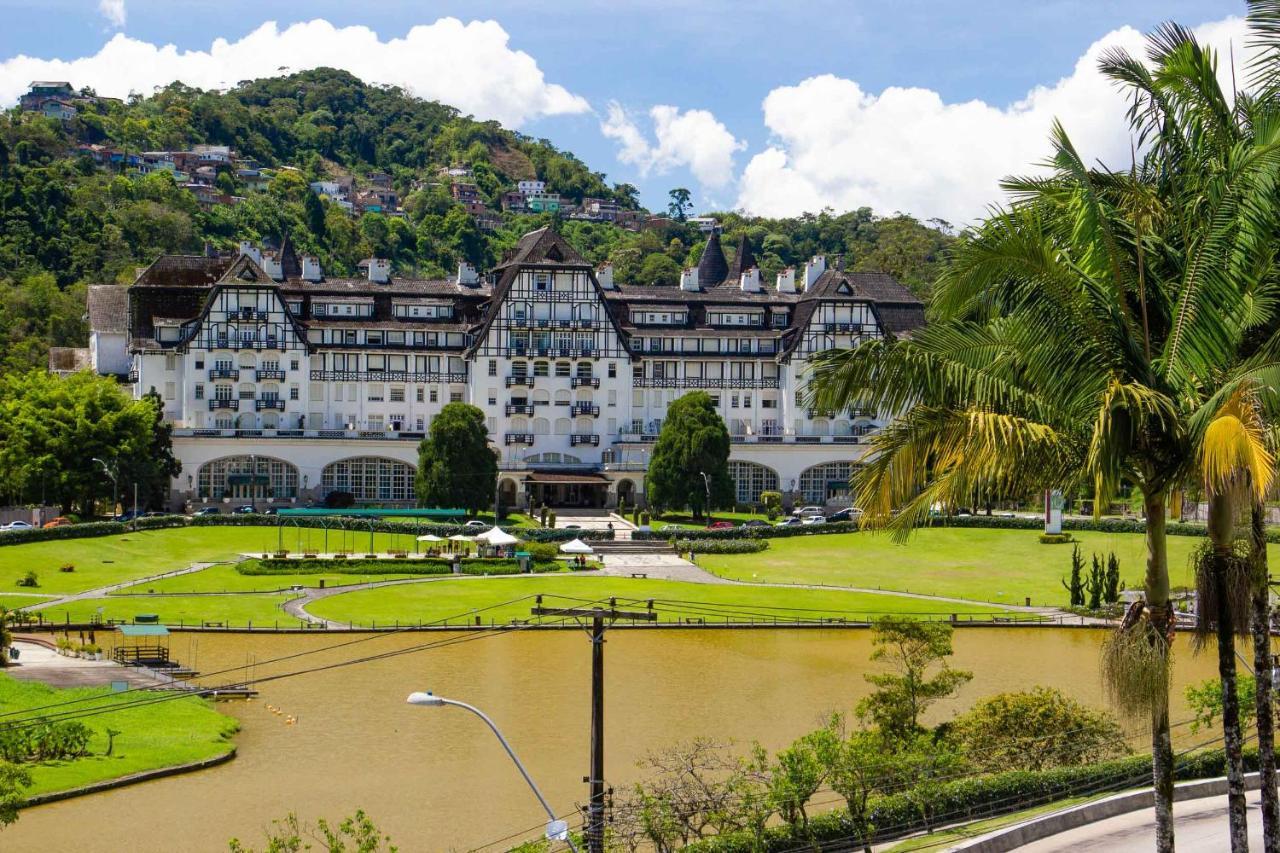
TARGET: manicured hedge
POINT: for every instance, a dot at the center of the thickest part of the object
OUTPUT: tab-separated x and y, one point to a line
157	522
70	531
531	534
976	798
721	546
406	566
774	532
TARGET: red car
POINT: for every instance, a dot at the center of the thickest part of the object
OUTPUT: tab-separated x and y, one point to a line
60	521
720	525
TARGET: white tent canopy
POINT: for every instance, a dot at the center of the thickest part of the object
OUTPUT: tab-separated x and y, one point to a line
430	538
459	537
498	537
576	546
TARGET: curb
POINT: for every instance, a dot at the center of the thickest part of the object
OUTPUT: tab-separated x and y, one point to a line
131	779
1012	837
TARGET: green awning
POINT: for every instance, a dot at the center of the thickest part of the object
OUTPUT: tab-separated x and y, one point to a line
377	513
143	630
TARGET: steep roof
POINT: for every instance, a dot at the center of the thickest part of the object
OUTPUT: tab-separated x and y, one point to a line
184	270
544	246
744	260
108	308
712	267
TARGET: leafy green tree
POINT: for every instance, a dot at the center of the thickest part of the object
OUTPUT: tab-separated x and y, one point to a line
691	458
1036	730
854	766
1111	589
658	270
456	465
912	649
153	469
13	779
55	427
355	834
681	202
797	773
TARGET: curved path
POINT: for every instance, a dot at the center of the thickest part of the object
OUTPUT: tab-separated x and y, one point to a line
104	591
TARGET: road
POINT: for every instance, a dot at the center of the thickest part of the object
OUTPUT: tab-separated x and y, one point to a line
1200	825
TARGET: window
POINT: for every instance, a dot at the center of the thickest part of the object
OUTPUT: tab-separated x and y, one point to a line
715	400
293	364
542	282
733	401
455	396
821	482
293	392
746	400
171	363
435	395
375	393
199	364
493	367
170	390
397	394
493	397
199	392
562	368
241	476
613	370
750	479
370	478
540	368
421	394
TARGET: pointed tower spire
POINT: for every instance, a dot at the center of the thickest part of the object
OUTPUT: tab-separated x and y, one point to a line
744	260
712	267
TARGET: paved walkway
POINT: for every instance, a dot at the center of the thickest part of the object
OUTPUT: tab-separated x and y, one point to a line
37	662
104	591
1199	825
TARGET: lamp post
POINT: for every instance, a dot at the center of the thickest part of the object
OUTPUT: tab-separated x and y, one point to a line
557	829
115	485
706	481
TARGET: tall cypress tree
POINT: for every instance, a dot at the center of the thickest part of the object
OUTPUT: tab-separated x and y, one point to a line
456	466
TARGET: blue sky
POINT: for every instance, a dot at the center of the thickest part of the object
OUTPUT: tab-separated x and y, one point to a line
831	137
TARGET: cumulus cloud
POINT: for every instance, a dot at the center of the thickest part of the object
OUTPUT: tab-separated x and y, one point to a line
113	11
694	139
470	66
835	145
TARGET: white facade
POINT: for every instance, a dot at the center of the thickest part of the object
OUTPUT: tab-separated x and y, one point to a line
283	388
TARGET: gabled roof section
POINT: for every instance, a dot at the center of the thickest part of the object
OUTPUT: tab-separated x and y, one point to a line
898	309
544	246
108	306
184	271
712	267
744	260
244	270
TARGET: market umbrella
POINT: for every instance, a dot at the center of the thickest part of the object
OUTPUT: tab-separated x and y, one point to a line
576	546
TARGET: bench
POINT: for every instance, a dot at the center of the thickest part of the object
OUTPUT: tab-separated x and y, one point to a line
215	624
640	575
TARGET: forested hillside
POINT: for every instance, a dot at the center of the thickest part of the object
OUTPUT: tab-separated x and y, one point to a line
66	221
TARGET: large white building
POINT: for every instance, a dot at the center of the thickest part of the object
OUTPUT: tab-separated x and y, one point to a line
284	384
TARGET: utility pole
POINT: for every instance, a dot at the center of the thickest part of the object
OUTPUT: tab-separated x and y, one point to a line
595	781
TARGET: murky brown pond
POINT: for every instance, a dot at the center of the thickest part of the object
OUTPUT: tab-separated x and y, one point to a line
435	779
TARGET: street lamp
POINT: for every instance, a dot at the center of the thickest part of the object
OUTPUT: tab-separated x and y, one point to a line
557	829
115	485
706	481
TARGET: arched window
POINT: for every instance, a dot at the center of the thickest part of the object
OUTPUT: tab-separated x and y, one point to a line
562	426
823	482
370	478
562	397
519	425
247	477
541	397
541	426
582	426
752	478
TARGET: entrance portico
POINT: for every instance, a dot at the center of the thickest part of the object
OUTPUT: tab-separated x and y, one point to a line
572	489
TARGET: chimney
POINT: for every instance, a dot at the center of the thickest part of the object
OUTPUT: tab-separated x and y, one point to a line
467	274
604	275
273	266
247	248
379	270
787	280
311	268
813	269
750	281
689	279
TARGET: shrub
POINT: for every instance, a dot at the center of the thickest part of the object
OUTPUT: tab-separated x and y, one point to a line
339	500
541	551
1055	538
67	567
551	519
30	579
644	519
721	546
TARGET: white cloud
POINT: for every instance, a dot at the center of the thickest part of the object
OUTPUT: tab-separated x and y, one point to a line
835	145
694	139
113	11
470	66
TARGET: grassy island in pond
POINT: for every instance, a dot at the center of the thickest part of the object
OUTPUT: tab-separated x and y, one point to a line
150	737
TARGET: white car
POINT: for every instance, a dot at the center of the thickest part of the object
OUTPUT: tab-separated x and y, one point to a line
477	524
17	525
808	510
814	519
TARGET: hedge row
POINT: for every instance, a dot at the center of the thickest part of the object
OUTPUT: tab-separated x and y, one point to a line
721	546
977	798
531	534
70	531
774	532
431	566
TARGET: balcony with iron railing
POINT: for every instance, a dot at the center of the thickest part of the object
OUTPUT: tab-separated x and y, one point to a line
268	403
223	403
519	438
267	373
586	409
584	382
519	408
384	376
704	382
584	438
246	314
520	381
224	373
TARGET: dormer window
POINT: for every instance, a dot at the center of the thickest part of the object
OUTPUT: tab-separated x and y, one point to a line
541	281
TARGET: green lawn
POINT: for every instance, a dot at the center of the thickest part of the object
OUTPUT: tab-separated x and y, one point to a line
684	520
263	610
151	736
104	560
434	600
225	578
945	838
986	565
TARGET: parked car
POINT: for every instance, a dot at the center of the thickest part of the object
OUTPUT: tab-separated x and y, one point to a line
477	524
755	522
670	528
851	513
60	521
270	511
814	519
209	510
793	521
129	515
721	525
572	527
247	509
807	510
18	525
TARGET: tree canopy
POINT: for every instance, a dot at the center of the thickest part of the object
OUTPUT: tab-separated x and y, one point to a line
693	445
456	467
